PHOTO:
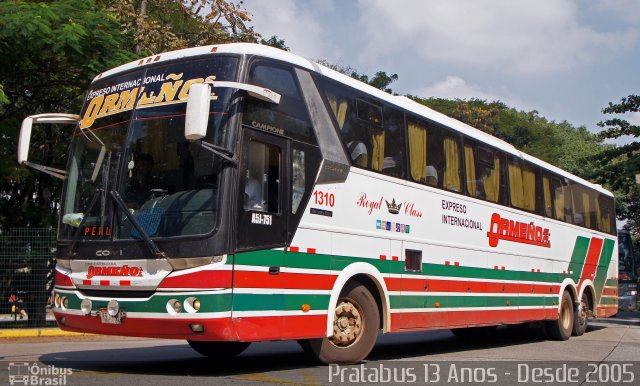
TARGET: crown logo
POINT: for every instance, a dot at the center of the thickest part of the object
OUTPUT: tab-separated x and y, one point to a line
393	207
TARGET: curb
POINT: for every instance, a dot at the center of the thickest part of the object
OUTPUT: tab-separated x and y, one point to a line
37	332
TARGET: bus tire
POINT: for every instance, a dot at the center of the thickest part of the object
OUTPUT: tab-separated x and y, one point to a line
581	316
218	350
355	328
561	328
473	333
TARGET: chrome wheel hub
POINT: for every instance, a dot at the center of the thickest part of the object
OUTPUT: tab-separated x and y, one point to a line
347	325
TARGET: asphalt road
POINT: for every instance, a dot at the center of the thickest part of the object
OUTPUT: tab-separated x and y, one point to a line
609	351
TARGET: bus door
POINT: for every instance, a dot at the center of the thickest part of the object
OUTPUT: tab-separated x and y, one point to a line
261	228
263	193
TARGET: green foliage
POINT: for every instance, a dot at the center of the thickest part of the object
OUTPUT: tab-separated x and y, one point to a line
381	80
274	41
50	52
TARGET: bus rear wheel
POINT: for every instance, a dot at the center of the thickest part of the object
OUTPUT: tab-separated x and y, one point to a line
218	350
561	328
355	328
581	315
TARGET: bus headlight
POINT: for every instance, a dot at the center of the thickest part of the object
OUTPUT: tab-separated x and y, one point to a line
57	300
113	307
191	305
64	302
174	306
86	306
630	293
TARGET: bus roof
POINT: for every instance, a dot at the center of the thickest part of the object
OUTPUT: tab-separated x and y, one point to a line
399	101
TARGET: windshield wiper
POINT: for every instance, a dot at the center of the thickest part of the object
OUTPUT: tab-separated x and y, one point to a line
220	151
145	237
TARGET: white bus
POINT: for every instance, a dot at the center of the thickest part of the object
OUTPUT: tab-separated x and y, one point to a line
238	193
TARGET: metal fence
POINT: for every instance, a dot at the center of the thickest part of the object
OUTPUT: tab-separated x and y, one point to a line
26	276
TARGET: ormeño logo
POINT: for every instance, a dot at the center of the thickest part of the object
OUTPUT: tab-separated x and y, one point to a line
33	374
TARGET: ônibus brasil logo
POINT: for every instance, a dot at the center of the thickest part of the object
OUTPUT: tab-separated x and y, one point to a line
518	232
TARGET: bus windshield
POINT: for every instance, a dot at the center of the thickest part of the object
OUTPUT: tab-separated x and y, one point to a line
130	142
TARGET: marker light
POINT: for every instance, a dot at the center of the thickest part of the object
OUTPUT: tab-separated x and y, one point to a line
86	306
64	302
113	307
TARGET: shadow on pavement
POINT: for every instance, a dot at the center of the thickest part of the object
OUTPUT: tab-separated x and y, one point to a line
180	360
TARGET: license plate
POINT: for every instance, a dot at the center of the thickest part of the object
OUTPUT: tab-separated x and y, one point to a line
107	318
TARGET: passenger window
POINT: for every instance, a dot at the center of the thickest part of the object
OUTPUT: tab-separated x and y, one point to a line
372	133
483	170
394	146
290	116
451	156
584	205
604	214
522	184
434	155
262	179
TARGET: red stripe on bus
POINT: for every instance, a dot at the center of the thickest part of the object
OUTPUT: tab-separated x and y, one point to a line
383	257
394	258
105	283
258	328
62	279
461	286
311	250
219	329
609	291
294	249
591	262
200	279
253	279
86	282
125	283
453	319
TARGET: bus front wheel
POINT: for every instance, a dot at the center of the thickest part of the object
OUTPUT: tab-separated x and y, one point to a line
561	328
355	328
218	350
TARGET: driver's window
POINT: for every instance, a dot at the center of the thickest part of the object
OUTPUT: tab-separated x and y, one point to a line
262	178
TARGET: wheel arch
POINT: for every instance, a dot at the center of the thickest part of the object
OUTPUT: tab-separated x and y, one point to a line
567	285
588	288
371	278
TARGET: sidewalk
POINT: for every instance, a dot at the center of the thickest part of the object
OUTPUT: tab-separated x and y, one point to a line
36	332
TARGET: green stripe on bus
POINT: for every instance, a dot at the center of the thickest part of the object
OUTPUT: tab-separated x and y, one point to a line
268	258
578	257
603	265
465	301
278	302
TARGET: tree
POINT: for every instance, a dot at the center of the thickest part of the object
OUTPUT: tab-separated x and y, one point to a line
619	165
274	41
381	80
50	52
155	26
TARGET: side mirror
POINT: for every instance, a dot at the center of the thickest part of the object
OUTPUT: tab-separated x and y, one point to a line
197	116
24	139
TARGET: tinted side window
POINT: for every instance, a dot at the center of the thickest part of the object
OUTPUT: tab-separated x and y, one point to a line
522	184
484	170
394	145
434	155
290	116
